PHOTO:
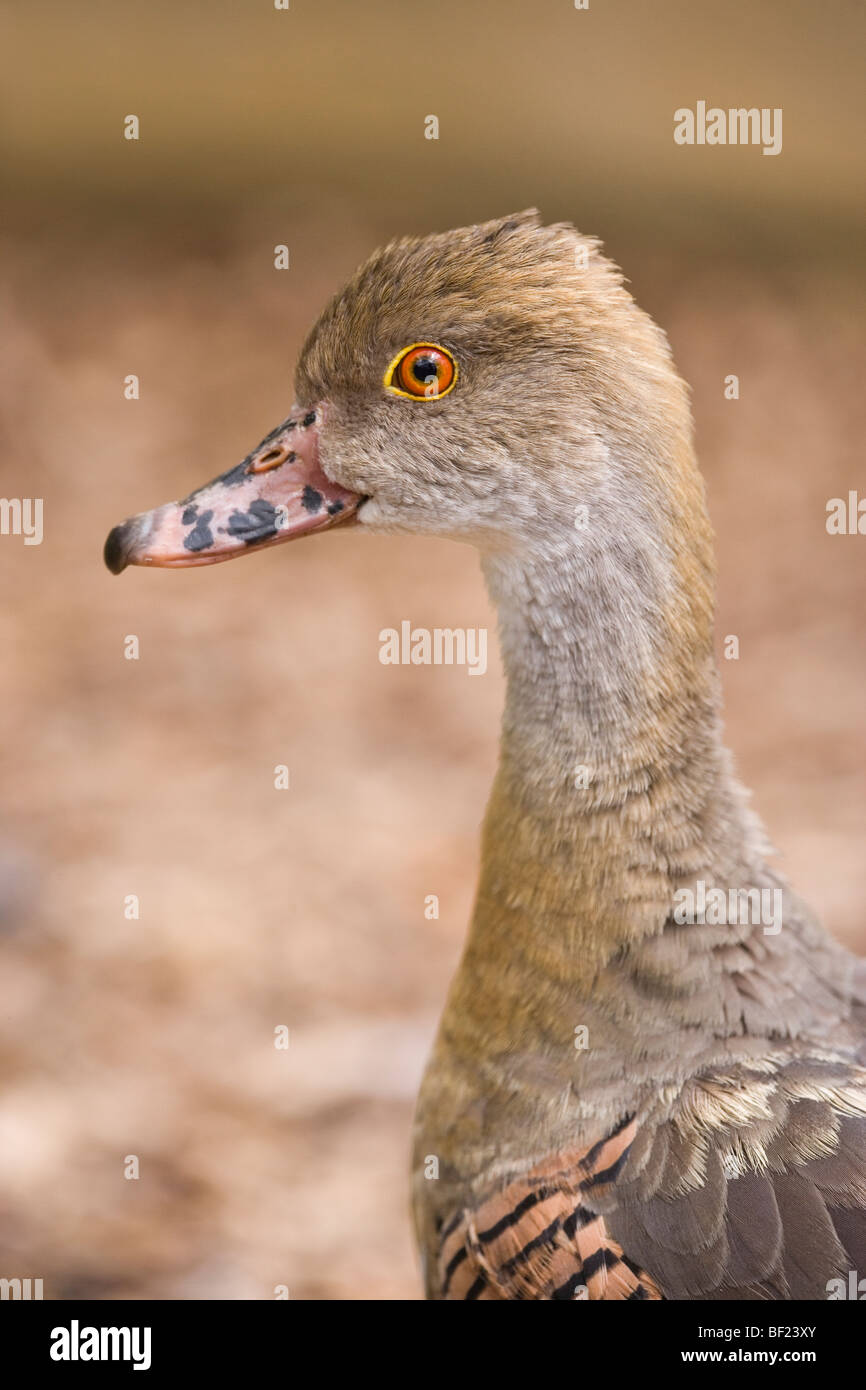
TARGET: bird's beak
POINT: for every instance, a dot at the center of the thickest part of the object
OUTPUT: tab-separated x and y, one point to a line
278	493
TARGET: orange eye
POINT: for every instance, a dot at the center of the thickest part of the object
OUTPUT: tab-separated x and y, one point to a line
423	371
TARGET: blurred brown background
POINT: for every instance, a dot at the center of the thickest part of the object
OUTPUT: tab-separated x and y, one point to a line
155	777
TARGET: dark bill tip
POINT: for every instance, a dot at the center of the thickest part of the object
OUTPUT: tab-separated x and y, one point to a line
117	548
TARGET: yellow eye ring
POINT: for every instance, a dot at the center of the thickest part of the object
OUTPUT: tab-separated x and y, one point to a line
421	372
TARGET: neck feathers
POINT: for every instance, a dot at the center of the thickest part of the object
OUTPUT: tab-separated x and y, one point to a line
613	787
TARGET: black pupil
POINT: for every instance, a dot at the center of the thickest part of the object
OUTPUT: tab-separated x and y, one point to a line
423	368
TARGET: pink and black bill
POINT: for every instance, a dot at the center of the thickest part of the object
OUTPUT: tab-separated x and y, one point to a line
277	494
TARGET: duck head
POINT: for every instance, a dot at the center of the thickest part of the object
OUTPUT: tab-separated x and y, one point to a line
482	384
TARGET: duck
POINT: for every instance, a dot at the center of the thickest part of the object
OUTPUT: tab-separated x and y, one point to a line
649	1080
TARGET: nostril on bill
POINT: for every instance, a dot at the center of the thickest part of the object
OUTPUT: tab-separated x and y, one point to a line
271	459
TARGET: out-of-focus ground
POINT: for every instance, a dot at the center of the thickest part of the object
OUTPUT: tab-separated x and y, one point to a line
258	908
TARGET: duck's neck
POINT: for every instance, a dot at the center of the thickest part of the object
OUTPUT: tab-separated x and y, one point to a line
613	786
